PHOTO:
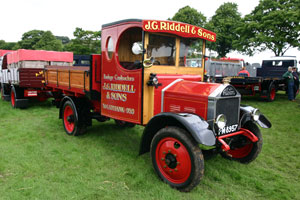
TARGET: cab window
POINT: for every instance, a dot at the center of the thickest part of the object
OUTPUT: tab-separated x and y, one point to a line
190	53
128	58
162	49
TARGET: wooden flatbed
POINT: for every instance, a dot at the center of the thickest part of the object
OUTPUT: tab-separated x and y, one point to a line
68	78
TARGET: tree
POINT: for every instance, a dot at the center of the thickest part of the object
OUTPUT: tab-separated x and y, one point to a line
48	42
64	39
39	40
85	42
189	15
7	45
29	39
273	25
224	23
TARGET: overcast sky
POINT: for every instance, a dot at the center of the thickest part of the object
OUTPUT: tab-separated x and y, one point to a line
61	17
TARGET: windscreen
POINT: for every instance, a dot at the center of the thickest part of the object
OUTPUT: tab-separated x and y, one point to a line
190	52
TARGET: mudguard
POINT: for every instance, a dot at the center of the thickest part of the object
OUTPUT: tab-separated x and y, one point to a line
197	127
81	107
62	102
245	116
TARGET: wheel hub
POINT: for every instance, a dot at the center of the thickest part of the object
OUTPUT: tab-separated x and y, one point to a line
171	161
70	118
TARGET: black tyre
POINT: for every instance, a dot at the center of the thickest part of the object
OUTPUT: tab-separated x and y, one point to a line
13	97
124	124
71	122
177	158
271	93
17	98
242	149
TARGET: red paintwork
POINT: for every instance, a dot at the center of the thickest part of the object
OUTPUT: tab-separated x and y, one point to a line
165	80
67	113
183	169
178	28
96	69
188	97
120	99
2	52
241	151
12	98
39	55
228	58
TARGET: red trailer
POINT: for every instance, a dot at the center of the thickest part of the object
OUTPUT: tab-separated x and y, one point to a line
143	77
22	74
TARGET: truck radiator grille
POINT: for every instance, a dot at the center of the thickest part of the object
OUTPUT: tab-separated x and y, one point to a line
230	108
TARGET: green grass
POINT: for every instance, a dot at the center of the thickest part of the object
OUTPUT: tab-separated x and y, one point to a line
39	161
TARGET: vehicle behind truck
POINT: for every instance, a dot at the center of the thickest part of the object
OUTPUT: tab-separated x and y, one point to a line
22	75
267	80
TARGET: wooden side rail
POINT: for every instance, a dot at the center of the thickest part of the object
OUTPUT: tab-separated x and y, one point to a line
74	79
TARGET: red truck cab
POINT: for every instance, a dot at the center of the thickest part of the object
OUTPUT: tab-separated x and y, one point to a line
150	73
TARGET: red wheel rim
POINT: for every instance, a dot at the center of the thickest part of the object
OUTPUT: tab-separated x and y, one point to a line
13	100
242	151
273	93
68	113
173	160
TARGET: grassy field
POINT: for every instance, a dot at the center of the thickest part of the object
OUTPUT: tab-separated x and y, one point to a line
39	161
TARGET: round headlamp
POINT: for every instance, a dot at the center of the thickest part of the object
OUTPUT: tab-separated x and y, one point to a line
221	121
255	114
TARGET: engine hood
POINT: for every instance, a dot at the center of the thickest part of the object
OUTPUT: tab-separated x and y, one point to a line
185	96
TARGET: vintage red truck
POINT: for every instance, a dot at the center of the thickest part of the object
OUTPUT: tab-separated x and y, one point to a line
143	77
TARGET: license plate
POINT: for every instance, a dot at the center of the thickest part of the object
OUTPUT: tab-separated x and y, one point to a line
228	129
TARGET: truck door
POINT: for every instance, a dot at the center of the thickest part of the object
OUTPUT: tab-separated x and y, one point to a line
121	73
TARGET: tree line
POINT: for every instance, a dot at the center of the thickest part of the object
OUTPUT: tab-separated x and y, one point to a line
272	25
84	42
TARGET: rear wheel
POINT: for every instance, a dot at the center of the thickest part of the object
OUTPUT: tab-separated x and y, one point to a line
177	158
271	93
13	96
17	97
242	149
71	121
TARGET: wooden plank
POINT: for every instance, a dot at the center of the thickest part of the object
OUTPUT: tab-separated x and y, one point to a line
73	78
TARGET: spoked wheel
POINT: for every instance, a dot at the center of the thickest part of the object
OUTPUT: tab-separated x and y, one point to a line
71	121
177	158
124	124
242	149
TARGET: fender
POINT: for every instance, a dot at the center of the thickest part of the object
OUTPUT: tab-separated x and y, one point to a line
245	116
197	127
61	105
81	107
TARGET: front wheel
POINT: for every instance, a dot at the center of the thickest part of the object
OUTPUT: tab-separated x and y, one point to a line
71	121
242	149
177	158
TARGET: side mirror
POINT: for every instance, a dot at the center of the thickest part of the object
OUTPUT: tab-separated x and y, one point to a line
148	62
137	48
